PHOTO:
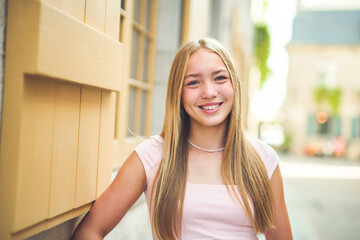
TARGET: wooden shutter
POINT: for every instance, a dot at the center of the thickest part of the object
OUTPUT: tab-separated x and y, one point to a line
63	68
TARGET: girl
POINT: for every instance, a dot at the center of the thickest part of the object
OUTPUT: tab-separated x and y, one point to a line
202	177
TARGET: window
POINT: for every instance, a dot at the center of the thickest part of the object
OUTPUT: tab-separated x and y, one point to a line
141	70
327	74
323	123
355	127
137	34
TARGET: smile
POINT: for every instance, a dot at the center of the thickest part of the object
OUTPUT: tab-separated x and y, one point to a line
210	107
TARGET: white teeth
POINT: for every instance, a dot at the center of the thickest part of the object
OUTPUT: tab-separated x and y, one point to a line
210	107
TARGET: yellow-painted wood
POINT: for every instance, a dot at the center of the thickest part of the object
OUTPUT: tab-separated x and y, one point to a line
50	54
74	8
121	149
106	140
95	14
185	21
112	21
17	58
88	146
32	200
65	146
70	50
55	3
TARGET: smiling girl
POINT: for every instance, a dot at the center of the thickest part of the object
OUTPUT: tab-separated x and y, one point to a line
202	177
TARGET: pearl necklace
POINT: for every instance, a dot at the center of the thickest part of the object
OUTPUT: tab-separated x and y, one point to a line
204	149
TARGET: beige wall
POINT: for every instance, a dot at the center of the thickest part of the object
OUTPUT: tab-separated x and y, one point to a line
304	64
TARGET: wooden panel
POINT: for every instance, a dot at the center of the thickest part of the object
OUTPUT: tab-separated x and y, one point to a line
71	50
74	8
106	140
95	14
55	3
35	152
112	20
66	130
88	146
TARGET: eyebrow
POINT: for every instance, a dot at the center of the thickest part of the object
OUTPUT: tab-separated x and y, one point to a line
198	74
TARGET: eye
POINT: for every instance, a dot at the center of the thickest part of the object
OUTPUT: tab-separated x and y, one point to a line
221	78
192	83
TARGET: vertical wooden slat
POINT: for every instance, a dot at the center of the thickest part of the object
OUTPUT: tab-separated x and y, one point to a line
55	3
74	8
112	22
106	141
88	145
66	130
32	200
185	21
95	14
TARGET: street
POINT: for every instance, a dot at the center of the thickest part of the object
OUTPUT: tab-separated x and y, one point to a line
323	198
322	195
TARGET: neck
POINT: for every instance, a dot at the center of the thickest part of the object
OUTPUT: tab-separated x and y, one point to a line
208	137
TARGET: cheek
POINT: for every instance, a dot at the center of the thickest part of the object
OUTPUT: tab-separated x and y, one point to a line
229	92
186	97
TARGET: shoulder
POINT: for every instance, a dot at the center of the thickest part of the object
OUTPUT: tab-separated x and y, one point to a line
150	152
153	143
266	153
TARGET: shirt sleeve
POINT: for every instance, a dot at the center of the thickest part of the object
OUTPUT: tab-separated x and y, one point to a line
150	154
267	154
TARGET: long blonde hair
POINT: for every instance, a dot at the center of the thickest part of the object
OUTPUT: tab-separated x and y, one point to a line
242	168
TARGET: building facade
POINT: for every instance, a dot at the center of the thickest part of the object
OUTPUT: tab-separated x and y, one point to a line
323	100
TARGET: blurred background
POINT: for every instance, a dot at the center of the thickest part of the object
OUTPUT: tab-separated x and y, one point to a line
300	66
299	62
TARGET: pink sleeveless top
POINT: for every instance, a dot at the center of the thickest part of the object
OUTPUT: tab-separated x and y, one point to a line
209	211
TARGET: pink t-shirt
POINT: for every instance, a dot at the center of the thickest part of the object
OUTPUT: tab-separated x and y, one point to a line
209	211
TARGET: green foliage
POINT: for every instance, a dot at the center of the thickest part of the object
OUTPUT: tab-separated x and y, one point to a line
262	51
330	95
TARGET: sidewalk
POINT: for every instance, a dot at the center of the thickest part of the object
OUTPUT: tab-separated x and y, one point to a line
135	225
322	196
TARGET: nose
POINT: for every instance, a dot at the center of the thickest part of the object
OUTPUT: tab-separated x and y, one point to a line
209	90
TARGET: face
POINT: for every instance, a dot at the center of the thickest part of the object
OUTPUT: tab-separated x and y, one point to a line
207	94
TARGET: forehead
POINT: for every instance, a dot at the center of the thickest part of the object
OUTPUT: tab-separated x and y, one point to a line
204	59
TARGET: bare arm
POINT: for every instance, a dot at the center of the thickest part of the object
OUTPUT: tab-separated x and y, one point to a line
282	229
112	205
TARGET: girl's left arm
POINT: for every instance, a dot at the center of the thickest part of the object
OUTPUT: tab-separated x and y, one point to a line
282	229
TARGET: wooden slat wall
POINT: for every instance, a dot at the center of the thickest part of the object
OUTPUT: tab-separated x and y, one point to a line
65	148
35	151
112	21
95	14
74	8
88	146
66	122
106	142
